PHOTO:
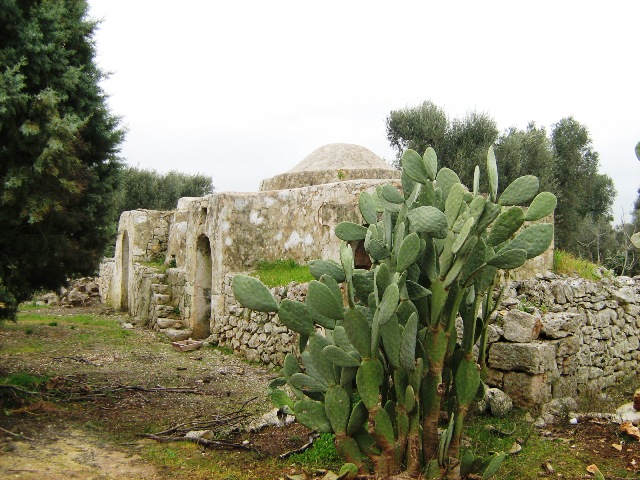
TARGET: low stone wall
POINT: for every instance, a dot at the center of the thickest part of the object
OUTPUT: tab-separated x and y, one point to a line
259	336
553	337
562	336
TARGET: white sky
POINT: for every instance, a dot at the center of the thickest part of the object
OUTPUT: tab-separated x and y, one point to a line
243	90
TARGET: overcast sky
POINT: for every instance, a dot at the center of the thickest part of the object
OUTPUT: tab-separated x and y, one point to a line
244	90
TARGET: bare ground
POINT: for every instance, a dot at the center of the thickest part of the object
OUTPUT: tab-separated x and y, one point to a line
101	395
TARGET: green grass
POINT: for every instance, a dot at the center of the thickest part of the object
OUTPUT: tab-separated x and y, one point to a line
568	264
23	380
323	453
157	264
88	331
281	272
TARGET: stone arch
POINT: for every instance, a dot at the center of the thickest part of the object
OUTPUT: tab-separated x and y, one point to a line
124	279
201	319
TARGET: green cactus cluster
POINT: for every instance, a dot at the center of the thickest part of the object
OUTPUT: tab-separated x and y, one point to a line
388	359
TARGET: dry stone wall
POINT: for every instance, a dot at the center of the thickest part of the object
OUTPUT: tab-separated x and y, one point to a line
561	336
258	336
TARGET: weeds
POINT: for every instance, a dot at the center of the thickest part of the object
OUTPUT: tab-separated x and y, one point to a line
322	453
282	272
567	264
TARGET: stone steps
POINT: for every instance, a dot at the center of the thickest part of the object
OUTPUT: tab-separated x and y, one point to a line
160	288
163	323
165	311
162	299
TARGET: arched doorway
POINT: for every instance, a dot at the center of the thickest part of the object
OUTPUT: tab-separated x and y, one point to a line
124	279
201	320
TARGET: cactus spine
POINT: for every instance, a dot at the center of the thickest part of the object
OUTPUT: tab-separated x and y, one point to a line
436	249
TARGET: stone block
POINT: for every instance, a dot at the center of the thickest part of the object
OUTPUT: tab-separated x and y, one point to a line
560	325
521	327
626	295
567	346
163	323
535	357
527	390
177	335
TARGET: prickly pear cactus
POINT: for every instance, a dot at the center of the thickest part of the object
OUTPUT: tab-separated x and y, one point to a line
387	360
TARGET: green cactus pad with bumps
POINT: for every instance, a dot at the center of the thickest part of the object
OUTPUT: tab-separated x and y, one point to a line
492	173
359	416
391	334
337	407
408	344
322	299
383	426
388	304
489	214
453	203
446	179
358	330
339	357
311	414
427	219
252	294
280	399
508	259
350	232
306	383
295	316
368	380
368	208
534	240
544	204
414	167
391	194
408	252
318	268
467	381
430	160
521	190
507	223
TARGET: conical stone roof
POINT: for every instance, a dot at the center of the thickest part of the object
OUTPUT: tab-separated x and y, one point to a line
336	162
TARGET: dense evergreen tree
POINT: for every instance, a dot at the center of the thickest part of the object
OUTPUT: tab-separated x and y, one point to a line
58	147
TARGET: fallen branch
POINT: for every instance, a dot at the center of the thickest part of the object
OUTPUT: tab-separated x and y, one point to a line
17	389
227	419
79	360
304	447
16	435
203	442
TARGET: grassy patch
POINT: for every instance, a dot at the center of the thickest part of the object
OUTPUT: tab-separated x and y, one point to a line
568	264
23	380
322	453
282	272
72	332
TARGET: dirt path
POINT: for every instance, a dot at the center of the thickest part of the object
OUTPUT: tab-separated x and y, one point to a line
85	424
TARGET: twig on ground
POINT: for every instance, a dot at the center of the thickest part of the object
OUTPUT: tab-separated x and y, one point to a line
16	435
304	447
203	442
78	359
15	389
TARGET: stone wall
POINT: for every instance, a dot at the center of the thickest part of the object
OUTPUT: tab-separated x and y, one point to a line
553	337
562	336
258	336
